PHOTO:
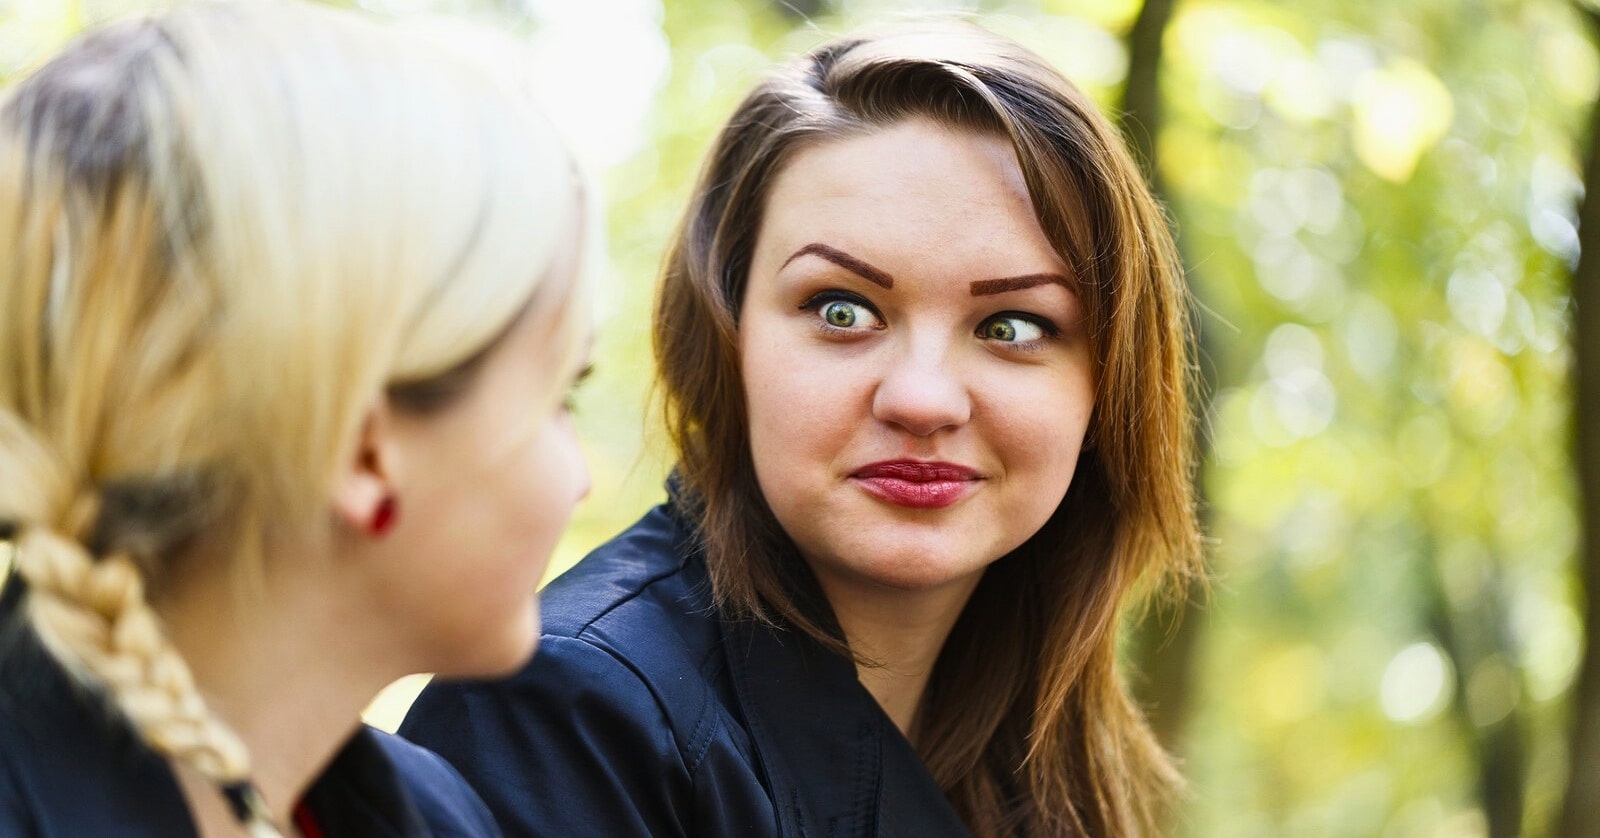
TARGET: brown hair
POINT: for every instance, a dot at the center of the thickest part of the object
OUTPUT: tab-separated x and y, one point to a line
1026	724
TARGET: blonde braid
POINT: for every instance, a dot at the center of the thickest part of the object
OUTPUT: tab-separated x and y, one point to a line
92	616
94	619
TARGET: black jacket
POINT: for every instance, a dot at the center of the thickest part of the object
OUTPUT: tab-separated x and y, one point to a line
645	714
70	768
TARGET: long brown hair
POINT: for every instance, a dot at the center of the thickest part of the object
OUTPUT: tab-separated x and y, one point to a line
1026	724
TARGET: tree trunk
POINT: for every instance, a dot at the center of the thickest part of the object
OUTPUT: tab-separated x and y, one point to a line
1471	636
1167	645
1141	95
1580	814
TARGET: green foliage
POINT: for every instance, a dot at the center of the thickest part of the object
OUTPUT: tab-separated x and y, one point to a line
1377	201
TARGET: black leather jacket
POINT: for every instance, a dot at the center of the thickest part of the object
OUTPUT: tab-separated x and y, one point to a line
644	713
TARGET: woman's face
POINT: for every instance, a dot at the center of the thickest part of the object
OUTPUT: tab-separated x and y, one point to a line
915	358
486	488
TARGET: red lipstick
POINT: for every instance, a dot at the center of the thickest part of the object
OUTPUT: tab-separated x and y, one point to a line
916	484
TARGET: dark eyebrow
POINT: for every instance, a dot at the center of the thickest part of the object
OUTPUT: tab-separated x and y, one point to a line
984	287
843	260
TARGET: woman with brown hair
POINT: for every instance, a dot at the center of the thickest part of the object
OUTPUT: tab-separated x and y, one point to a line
922	340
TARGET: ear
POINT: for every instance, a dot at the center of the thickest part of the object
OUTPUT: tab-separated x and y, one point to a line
368	478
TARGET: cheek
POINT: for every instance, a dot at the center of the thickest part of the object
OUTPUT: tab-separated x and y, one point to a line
770	392
799	407
788	424
1047	434
518	499
776	440
555	476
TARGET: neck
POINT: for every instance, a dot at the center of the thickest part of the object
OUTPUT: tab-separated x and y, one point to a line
288	670
901	634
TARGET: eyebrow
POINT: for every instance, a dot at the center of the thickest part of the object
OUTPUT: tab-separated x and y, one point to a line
877	276
984	287
843	260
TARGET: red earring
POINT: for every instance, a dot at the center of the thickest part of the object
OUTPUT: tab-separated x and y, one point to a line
384	516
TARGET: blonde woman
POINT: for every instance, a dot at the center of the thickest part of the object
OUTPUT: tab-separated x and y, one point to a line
288	308
922	338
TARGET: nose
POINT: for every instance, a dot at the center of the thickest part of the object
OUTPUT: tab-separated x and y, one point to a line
585	481
582	477
922	392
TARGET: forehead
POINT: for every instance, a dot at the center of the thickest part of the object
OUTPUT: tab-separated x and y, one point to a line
915	185
903	162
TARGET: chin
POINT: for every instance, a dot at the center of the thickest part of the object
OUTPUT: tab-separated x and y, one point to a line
497	655
919	571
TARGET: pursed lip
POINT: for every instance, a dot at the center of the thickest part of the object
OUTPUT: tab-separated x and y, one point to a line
915	483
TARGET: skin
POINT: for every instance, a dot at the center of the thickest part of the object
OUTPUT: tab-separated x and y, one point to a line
483	489
995	377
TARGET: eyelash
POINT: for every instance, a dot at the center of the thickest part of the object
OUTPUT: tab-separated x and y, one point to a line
817	301
568	401
1050	329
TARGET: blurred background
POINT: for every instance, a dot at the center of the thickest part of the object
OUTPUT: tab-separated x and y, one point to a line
1378	203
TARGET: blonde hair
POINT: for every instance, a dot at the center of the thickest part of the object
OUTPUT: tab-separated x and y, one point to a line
225	232
1025	724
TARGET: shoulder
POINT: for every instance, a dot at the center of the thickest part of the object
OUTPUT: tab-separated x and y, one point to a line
629	649
572	689
614	725
68	764
76	783
607	625
442	798
641	603
17	806
575	745
649	563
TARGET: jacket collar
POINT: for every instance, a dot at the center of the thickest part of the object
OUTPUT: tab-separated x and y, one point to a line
360	793
835	763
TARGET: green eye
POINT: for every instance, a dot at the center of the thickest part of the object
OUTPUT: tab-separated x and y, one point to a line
1000	330
839	314
843	315
1010	330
